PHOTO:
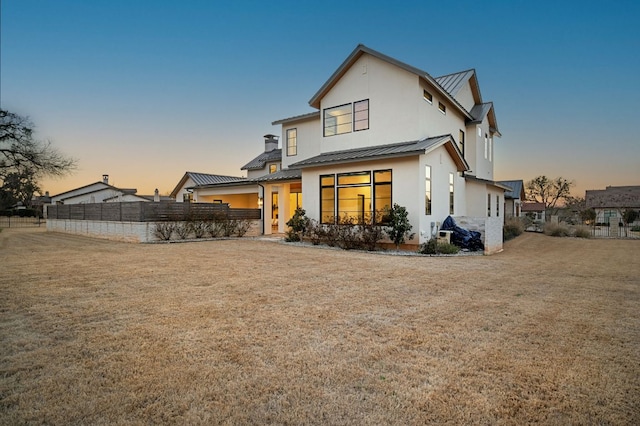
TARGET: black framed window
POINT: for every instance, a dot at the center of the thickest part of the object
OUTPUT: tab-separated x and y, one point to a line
327	198
427	190
361	115
292	142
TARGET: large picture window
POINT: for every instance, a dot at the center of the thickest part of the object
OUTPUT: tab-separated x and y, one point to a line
355	196
347	118
292	142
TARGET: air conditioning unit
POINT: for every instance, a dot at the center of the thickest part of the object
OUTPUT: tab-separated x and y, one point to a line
444	237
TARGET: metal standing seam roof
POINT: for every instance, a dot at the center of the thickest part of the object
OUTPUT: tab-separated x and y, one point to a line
452	83
381	151
517	188
206	179
262	159
285	174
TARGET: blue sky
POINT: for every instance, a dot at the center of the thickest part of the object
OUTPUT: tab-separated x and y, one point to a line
146	90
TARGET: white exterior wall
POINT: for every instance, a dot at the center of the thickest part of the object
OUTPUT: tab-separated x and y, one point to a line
199	195
309	134
94	197
183	190
393	116
432	121
480	167
465	96
78	192
441	166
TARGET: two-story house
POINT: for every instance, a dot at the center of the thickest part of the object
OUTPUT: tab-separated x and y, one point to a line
385	132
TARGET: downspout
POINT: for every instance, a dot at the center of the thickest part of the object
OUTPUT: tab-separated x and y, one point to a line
262	207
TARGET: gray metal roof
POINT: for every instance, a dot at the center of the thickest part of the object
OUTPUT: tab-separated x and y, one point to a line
301	117
487	182
262	159
207	179
480	111
286	174
402	149
517	189
452	83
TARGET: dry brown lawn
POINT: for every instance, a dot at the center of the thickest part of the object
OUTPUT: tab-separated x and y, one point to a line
255	332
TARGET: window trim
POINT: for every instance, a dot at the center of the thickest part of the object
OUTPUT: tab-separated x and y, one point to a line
428	189
324	120
292	147
354	121
427	96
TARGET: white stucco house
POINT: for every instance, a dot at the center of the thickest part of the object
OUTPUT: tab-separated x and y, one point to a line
382	132
514	198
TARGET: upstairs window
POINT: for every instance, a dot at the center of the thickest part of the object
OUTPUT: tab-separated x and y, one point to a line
361	115
292	142
485	146
337	120
273	168
346	118
427	96
442	107
461	142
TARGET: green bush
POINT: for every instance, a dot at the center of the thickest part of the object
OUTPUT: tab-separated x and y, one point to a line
434	247
635	228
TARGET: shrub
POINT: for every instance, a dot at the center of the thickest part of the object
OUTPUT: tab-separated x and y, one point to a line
558	230
297	226
635	228
370	235
399	227
434	247
348	233
182	229
164	230
582	232
242	227
512	228
315	232
199	228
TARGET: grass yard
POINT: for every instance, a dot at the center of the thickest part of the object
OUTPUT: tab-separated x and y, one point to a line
255	332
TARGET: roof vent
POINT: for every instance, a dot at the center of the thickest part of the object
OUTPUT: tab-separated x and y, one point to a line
105	179
270	142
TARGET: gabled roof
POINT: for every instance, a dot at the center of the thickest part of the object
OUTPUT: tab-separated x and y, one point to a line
203	179
403	149
618	197
517	189
480	111
361	50
262	159
102	187
452	83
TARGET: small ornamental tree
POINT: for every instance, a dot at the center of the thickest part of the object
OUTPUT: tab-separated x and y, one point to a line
298	225
629	216
399	227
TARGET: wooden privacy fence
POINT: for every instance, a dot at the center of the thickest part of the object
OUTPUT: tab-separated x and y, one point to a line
141	211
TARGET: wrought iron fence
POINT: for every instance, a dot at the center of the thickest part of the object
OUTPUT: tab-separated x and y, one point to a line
604	230
21	222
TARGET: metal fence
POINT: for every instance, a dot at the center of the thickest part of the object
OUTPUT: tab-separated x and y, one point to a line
614	231
140	211
21	222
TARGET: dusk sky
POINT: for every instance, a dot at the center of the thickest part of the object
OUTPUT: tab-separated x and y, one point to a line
146	90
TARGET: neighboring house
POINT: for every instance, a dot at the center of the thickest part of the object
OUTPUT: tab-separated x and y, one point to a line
610	203
192	188
514	198
96	192
534	211
382	132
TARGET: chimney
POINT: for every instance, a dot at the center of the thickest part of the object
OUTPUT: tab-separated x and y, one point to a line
156	196
270	142
105	179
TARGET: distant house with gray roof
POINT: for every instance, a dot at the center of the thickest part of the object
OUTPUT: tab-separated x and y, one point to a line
610	203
